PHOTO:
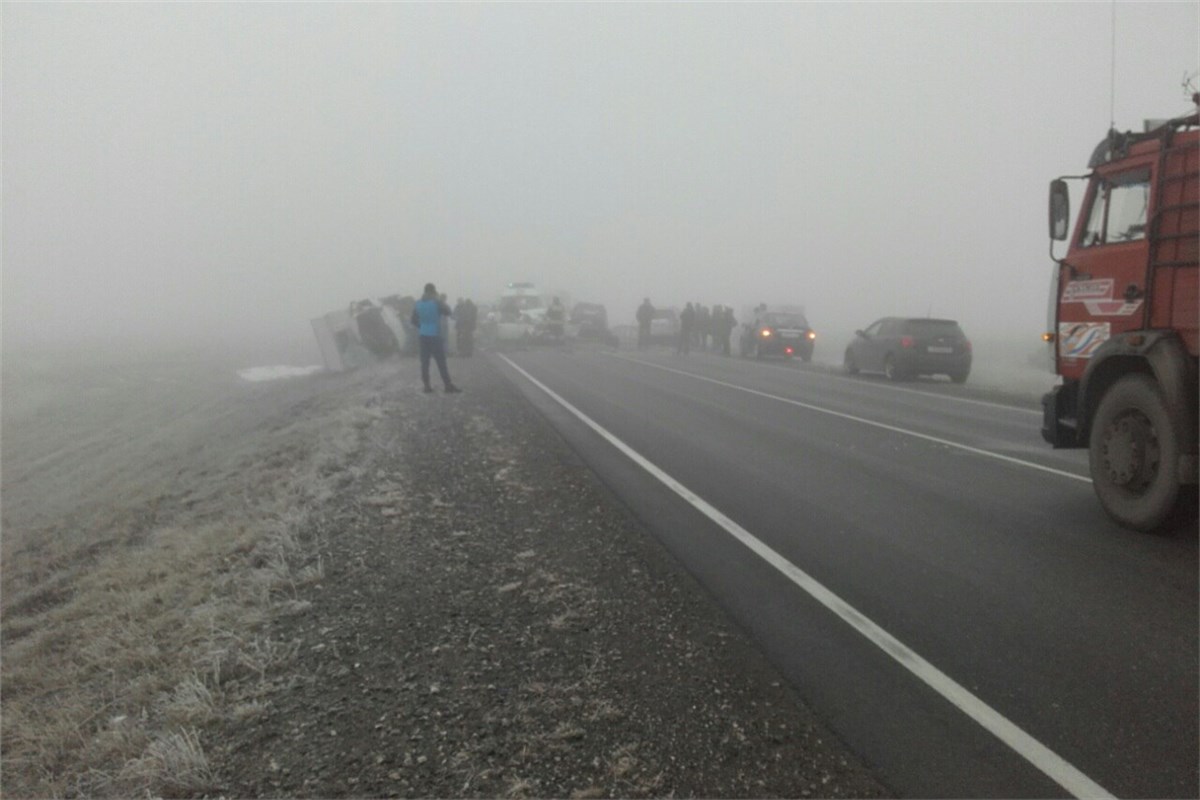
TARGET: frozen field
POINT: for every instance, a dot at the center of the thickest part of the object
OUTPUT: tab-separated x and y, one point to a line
153	510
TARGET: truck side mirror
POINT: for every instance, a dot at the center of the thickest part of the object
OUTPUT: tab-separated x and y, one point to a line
1060	209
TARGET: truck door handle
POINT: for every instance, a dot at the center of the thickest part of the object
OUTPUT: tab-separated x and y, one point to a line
1132	292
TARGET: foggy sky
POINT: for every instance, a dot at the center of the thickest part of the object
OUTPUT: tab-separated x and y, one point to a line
229	171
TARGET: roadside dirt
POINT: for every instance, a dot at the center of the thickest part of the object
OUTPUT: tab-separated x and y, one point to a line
492	622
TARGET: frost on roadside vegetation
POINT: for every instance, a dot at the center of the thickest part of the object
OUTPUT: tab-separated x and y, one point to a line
111	669
174	764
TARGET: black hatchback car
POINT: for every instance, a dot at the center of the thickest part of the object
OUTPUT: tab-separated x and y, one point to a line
905	348
779	333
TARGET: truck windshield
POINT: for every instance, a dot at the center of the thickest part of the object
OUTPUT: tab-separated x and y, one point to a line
1123	201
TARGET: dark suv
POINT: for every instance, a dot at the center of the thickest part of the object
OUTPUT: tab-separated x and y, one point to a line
904	348
778	333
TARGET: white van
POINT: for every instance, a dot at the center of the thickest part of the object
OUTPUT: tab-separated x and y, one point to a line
520	312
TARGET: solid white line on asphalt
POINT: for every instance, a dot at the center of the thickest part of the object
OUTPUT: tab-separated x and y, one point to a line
830	374
1033	751
940	396
885	426
888	387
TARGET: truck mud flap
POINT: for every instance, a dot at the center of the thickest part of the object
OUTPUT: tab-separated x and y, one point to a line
1059	426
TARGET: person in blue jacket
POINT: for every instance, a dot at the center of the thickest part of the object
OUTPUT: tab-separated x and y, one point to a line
427	318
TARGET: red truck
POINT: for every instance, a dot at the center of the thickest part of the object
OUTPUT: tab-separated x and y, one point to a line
1123	323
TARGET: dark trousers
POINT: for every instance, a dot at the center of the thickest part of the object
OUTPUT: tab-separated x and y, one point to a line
466	341
685	341
431	347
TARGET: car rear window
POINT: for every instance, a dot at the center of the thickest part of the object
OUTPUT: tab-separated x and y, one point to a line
933	327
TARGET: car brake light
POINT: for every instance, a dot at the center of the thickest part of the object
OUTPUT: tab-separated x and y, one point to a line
906	341
787	350
967	344
766	334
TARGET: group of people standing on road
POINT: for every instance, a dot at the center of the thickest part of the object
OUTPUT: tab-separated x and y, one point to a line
699	327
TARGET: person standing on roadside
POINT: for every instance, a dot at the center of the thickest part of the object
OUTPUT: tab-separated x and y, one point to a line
444	325
645	314
556	317
716	325
464	326
687	322
427	318
703	322
727	329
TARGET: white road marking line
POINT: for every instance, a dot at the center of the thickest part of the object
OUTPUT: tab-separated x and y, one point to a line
1043	758
828	373
864	421
938	395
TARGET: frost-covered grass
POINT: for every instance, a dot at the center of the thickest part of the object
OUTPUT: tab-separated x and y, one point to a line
155	518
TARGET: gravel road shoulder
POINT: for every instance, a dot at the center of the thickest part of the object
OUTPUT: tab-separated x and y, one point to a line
492	621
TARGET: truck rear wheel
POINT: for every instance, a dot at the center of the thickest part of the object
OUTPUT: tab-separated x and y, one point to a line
1133	452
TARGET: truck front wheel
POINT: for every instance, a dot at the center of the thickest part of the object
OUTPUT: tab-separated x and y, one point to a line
1133	453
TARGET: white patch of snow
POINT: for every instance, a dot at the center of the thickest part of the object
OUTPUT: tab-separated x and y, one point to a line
256	374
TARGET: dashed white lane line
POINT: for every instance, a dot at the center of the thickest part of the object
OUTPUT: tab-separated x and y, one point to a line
831	375
865	421
936	395
1043	758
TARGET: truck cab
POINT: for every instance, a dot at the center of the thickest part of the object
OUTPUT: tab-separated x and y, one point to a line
1123	327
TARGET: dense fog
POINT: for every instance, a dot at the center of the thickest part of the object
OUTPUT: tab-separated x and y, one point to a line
226	172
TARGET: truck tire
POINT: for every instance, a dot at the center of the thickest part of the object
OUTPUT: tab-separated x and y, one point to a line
1133	451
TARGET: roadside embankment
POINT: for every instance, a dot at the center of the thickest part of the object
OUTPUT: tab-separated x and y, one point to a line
340	586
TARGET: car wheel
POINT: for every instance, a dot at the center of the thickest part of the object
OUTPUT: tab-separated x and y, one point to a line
806	356
850	364
960	376
893	372
1132	451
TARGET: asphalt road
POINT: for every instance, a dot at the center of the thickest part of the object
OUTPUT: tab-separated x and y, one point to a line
939	584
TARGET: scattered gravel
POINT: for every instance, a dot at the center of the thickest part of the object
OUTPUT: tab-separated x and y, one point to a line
492	622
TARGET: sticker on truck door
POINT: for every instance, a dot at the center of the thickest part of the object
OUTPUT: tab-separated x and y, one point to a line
1097	297
1080	339
1082	291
